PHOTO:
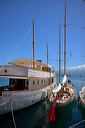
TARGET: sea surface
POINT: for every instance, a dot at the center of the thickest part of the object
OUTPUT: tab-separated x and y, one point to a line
36	116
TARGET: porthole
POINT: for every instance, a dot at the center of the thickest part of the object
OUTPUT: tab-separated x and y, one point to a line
5	70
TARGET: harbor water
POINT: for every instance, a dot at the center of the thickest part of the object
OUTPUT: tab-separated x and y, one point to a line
36	116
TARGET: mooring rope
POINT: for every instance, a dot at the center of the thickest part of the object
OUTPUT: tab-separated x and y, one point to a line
76	124
13	116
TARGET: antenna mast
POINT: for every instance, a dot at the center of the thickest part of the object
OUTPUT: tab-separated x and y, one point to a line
65	39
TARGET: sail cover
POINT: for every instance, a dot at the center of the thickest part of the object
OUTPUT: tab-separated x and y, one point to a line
57	88
64	79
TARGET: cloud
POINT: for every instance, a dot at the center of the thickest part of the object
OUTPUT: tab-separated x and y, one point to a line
76	67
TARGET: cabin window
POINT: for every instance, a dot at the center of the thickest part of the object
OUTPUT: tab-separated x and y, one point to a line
12	81
52	80
42	81
28	82
33	82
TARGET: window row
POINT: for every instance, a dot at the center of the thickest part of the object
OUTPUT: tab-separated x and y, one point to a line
41	81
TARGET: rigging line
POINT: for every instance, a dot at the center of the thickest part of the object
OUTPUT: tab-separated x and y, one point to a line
27	33
11	54
40	49
37	48
13	116
77	124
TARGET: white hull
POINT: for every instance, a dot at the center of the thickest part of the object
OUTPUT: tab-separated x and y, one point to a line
82	103
21	99
82	96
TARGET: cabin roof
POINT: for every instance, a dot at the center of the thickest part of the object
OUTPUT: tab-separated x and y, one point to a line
26	62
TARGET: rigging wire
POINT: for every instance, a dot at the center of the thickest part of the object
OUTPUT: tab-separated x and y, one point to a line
40	49
13	116
77	124
19	44
21	41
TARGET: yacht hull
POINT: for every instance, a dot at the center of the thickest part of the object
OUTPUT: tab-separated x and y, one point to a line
21	99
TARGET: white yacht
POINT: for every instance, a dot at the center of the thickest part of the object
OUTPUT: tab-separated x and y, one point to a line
29	82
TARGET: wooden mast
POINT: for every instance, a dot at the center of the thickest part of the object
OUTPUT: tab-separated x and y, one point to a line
33	40
59	53
65	39
47	54
33	52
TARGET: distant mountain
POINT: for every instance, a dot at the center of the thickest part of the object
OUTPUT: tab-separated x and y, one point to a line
76	70
80	67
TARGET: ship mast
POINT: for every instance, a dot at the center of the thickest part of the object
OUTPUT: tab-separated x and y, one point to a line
33	43
59	53
65	39
47	54
33	40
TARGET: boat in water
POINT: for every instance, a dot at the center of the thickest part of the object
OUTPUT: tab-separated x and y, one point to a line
64	92
30	81
82	96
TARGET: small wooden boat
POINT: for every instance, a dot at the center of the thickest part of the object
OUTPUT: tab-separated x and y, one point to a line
65	93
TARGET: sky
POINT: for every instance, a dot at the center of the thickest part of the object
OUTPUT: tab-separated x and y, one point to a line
16	30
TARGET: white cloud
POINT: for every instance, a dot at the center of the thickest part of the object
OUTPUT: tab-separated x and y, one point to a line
77	67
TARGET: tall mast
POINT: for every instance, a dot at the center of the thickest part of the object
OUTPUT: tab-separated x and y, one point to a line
33	40
59	53
65	39
47	54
